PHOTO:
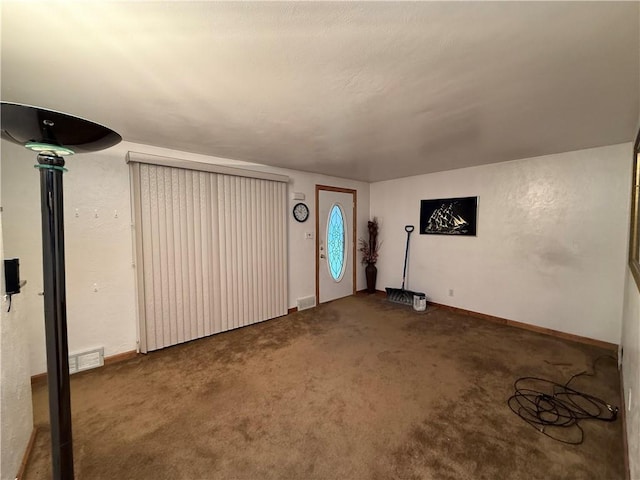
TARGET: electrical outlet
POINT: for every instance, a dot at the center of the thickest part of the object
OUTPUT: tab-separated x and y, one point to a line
451	292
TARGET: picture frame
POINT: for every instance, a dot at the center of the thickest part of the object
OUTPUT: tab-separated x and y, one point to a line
449	216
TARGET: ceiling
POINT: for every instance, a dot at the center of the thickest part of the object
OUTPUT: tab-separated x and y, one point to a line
369	91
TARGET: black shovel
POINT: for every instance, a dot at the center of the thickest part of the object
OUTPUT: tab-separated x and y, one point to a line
400	295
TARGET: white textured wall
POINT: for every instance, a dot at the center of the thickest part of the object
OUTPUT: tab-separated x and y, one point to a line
630	342
551	243
99	250
16	416
631	371
16	413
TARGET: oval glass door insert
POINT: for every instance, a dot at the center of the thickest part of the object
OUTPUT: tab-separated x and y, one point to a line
336	242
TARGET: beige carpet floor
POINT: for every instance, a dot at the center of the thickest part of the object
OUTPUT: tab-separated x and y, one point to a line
359	388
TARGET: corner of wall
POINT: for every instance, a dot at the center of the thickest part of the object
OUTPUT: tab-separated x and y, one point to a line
16	411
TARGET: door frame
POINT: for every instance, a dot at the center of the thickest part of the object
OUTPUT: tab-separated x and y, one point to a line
329	188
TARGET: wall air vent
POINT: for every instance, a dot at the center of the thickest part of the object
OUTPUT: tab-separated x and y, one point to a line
306	302
86	360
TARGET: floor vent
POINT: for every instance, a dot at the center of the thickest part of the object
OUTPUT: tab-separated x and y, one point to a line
306	302
86	360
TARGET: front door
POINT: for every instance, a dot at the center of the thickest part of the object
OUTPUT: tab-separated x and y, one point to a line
335	246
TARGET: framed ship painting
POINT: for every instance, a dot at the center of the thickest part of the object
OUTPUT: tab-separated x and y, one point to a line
449	216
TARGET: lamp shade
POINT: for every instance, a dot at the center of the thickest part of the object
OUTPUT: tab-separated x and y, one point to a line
45	130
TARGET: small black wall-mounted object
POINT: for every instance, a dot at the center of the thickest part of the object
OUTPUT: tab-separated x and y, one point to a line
12	276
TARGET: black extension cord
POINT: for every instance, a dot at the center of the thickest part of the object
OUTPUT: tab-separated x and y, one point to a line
556	410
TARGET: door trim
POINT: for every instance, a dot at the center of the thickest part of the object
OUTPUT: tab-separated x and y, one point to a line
355	230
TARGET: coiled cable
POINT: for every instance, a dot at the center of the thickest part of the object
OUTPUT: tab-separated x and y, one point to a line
556	410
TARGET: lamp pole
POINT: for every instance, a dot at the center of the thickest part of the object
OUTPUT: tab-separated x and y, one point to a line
55	314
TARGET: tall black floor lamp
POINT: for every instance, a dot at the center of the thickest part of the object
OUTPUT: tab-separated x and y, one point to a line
53	135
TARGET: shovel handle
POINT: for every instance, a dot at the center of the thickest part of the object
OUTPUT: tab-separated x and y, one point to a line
408	229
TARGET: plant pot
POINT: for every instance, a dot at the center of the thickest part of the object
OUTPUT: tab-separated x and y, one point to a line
372	273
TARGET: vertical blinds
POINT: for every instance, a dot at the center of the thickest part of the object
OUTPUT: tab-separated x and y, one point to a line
211	252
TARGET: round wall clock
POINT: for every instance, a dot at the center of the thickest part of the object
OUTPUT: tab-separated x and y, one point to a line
300	212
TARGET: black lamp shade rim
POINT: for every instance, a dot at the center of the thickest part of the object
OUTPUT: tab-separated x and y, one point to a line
23	124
